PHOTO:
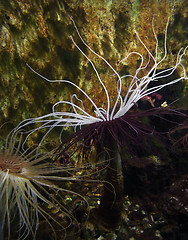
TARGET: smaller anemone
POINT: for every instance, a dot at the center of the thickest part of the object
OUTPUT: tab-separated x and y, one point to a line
29	186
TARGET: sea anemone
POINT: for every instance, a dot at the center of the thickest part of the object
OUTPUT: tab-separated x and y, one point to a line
115	123
139	88
29	186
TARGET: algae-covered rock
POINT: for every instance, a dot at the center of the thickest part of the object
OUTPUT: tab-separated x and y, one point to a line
38	33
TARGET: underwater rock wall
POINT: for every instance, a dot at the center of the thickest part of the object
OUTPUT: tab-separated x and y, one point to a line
38	33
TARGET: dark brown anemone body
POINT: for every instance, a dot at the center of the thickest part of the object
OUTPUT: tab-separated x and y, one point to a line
111	136
127	130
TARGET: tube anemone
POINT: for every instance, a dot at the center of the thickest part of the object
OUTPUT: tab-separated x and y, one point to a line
118	104
29	181
115	123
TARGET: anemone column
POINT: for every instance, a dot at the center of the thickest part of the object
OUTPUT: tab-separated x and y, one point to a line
109	211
